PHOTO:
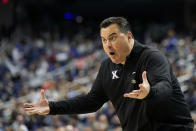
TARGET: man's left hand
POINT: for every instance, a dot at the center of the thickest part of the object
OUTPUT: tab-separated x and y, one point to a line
143	91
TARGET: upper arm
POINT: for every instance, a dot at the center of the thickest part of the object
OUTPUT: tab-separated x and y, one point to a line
158	68
158	75
97	93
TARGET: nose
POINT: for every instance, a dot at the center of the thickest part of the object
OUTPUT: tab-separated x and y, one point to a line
108	43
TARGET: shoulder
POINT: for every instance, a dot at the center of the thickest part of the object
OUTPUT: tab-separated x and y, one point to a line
152	52
105	66
155	56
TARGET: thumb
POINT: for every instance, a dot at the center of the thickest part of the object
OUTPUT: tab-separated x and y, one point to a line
144	77
42	94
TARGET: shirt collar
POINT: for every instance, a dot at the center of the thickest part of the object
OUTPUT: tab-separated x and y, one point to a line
137	47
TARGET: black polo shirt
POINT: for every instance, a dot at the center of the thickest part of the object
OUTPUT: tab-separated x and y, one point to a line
164	109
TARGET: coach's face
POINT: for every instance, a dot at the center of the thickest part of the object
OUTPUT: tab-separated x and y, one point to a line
116	44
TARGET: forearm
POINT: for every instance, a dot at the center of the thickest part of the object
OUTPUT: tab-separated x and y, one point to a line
80	105
160	90
84	104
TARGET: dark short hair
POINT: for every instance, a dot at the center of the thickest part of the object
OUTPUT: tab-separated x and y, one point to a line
122	23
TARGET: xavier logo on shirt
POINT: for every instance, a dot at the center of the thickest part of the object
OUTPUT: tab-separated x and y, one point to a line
131	82
114	75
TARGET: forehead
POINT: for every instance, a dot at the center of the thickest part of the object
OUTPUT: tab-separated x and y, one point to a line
105	32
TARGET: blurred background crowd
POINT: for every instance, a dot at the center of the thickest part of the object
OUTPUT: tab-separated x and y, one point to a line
56	46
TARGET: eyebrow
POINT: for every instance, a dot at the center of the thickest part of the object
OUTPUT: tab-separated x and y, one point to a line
114	33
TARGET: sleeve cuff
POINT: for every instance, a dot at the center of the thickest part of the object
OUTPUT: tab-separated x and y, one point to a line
52	108
150	94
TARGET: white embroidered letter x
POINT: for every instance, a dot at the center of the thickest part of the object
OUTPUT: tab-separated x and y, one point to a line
114	74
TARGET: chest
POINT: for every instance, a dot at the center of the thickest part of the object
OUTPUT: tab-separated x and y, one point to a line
121	79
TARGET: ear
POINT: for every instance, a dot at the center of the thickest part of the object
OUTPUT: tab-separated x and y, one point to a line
130	36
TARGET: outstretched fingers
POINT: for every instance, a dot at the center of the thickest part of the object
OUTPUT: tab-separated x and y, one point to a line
42	94
133	94
28	109
28	105
32	112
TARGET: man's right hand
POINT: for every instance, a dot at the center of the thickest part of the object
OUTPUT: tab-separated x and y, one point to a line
41	107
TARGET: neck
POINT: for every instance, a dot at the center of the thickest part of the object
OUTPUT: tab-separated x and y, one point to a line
123	63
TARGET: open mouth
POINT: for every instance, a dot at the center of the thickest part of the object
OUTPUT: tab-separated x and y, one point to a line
112	53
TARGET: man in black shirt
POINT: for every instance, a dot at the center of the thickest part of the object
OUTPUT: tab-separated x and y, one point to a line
137	79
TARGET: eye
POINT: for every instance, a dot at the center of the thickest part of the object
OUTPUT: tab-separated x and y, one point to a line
104	40
112	38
